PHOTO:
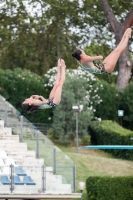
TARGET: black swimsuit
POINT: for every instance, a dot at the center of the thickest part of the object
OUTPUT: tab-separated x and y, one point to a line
51	103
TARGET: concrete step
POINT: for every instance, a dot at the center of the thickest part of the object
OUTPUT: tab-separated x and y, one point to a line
51	178
48	169
58	188
23	154
4	131
12	142
15	147
27	162
9	137
36	173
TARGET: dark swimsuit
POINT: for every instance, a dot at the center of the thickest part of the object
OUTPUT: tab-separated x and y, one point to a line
96	69
50	104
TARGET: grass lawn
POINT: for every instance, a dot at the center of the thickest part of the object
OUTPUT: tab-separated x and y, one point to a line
97	163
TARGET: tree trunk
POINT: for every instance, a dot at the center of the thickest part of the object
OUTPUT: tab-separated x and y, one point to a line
125	67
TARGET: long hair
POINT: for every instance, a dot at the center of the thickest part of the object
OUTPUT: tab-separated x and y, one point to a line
29	108
76	54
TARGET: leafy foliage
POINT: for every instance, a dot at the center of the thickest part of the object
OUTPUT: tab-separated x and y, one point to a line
86	140
37	39
108	106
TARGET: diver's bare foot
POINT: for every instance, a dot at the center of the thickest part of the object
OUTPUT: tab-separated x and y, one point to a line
128	32
62	63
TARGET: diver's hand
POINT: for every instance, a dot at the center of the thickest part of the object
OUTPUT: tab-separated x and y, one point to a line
34	96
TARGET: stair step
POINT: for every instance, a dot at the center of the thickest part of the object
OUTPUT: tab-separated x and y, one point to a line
29	161
22	153
4	141
4	131
9	137
14	146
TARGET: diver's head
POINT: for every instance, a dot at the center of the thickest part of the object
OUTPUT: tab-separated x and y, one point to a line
77	54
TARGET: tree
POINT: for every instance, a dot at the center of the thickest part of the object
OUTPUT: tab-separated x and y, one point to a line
34	40
118	27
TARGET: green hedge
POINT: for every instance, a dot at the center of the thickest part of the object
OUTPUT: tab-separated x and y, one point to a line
109	188
111	133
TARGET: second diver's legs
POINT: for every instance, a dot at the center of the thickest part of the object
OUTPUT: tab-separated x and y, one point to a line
127	31
58	92
112	58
